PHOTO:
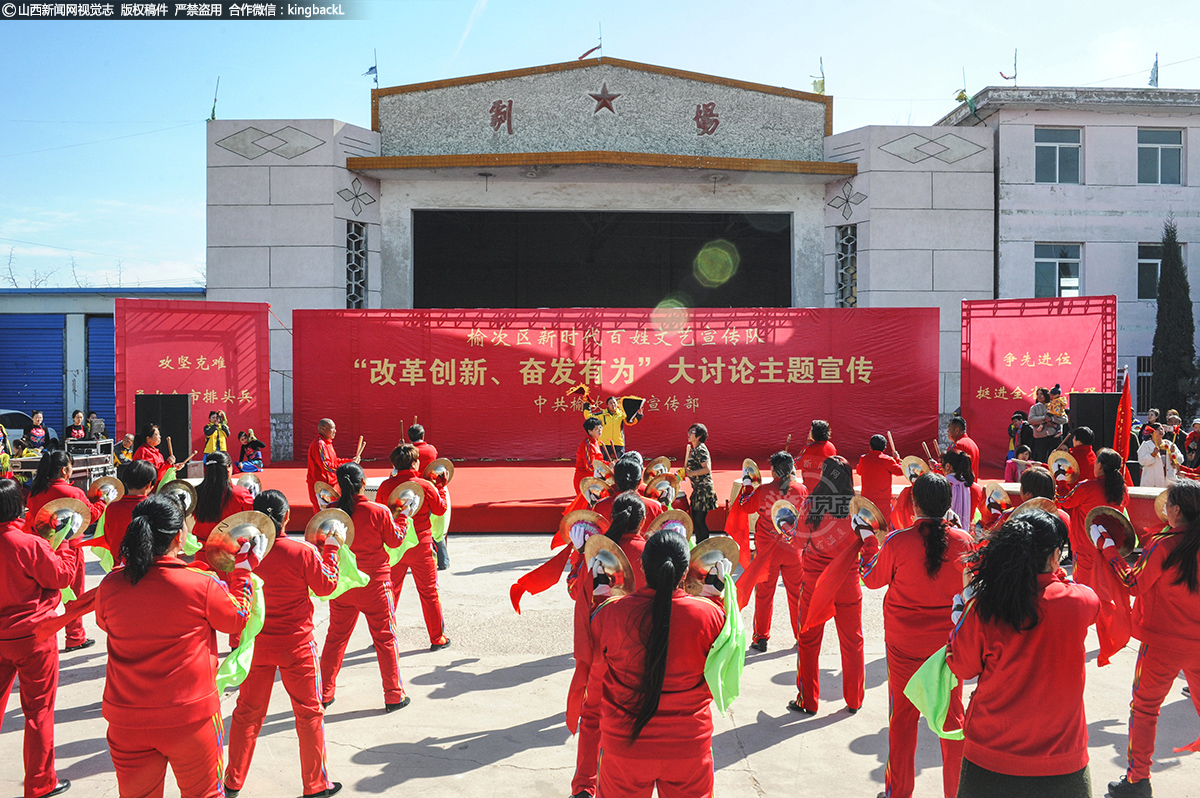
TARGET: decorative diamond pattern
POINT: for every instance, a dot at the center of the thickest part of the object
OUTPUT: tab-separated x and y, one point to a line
846	200
356	196
287	142
915	148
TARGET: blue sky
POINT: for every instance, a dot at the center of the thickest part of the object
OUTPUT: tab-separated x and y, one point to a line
102	131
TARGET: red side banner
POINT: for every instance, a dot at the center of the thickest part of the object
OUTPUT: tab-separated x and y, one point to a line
494	383
219	352
1012	347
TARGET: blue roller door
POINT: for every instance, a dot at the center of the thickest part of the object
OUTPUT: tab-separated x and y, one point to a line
31	365
101	371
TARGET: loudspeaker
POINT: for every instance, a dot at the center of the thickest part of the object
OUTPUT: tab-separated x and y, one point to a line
1098	411
172	412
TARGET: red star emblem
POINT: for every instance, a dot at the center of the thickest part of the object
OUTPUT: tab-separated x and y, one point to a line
603	100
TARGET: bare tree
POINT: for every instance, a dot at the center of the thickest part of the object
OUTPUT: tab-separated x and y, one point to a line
85	282
9	277
39	280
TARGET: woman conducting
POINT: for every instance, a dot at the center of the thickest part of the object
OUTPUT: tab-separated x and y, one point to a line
922	569
1022	633
160	694
698	469
1166	618
145	447
373	528
285	644
656	708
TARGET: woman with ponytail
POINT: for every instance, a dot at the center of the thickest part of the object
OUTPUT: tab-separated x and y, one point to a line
1022	633
1107	487
285	644
651	646
53	481
374	527
784	554
825	534
161	616
145	447
217	497
1165	582
32	576
922	569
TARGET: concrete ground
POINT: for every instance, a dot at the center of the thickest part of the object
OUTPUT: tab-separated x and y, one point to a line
486	717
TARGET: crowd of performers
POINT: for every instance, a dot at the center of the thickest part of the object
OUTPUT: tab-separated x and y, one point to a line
188	562
979	586
976	589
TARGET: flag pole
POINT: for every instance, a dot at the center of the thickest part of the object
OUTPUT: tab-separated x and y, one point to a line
376	53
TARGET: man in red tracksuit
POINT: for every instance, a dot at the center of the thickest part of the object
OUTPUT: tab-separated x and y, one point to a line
420	558
956	431
784	554
426	452
32	576
1083	452
323	461
876	470
290	570
818	449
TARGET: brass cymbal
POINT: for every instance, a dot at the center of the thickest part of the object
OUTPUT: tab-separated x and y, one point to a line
250	481
594	490
439	472
704	556
108	488
327	495
1064	467
323	524
406	499
182	491
596	524
865	515
1116	525
616	564
224	541
59	520
675	520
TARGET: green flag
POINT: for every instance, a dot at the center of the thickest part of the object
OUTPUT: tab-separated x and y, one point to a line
929	691
68	595
167	477
191	543
410	540
236	665
349	577
727	657
440	524
102	552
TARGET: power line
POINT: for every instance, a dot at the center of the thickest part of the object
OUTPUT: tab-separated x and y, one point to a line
1141	71
88	252
100	141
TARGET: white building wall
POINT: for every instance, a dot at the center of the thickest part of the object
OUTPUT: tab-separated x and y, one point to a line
923	206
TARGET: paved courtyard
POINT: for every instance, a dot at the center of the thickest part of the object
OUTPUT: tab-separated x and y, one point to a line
486	717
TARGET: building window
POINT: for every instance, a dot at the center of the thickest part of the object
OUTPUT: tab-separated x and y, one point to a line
1056	270
847	266
1149	262
1145	372
1160	157
356	264
1056	154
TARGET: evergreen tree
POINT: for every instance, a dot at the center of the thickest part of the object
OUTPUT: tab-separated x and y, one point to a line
1173	385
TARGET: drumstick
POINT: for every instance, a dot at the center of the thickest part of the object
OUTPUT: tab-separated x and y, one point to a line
170	449
788	446
360	447
938	448
892	443
188	460
926	448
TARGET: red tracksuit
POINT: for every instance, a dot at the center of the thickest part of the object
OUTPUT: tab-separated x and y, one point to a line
903	513
876	470
785	557
1087	495
1026	715
1086	457
160	695
589	450
674	750
965	444
811	458
323	464
420	558
916	623
286	644
32	576
238	500
1166	618
653	510
373	526
832	537
426	454
154	457
587	755
116	520
61	489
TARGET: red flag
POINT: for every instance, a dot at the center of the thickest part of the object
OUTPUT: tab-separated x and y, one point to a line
541	578
1124	428
819	607
589	52
737	526
1114	626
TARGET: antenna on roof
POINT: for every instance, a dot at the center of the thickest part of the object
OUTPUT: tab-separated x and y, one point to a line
1012	77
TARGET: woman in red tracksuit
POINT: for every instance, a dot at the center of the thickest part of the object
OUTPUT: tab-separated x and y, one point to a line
628	514
217	498
53	481
139	478
285	644
32	576
656	708
420	559
827	533
1166	618
373	527
145	447
784	554
1107	488
160	694
1022	633
922	569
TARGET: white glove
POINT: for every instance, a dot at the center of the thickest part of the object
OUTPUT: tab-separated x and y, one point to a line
333	540
579	535
746	481
251	553
866	533
714	581
600	579
956	608
1100	537
108	494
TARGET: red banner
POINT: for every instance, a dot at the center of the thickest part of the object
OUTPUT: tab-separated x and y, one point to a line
1012	347
493	383
219	352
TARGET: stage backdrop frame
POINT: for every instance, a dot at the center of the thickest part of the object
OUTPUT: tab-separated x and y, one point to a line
1024	344
377	370
219	352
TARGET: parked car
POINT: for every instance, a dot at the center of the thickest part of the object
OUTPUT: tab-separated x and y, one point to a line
16	421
